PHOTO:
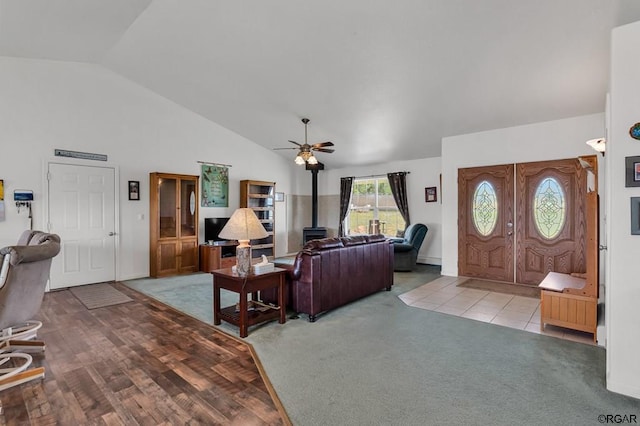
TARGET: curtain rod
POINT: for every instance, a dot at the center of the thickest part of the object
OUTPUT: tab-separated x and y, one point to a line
376	176
215	164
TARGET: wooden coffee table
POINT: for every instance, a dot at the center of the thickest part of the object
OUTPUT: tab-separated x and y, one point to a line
251	284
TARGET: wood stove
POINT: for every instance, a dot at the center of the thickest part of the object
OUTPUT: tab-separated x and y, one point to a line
311	233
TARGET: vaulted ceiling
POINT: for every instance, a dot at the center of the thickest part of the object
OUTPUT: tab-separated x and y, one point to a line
383	80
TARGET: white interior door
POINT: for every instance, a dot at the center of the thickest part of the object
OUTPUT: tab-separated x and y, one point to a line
82	211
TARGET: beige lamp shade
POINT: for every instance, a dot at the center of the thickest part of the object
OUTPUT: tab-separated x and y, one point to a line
243	226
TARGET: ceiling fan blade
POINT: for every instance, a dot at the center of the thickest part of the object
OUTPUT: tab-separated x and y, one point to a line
323	150
321	144
294	142
276	149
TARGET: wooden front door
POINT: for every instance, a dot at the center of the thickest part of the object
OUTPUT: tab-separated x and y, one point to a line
485	222
551	219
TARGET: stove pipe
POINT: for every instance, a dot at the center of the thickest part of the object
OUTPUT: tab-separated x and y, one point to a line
314	232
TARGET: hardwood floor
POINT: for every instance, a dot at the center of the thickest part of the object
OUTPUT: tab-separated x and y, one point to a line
143	363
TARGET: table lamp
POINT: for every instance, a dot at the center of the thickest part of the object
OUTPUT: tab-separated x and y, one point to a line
243	226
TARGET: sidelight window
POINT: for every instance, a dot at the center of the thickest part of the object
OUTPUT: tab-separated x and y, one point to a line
549	208
485	208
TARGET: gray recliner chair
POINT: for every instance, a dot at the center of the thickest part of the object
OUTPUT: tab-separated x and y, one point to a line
23	278
405	250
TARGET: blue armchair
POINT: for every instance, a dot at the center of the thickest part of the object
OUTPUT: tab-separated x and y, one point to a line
405	250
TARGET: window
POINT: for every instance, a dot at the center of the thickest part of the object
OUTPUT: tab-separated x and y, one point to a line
549	210
371	200
485	208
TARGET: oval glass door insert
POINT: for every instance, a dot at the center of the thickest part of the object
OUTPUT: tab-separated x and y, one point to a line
549	208
485	208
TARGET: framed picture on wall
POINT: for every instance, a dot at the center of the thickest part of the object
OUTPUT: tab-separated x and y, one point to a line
635	215
431	194
134	190
632	171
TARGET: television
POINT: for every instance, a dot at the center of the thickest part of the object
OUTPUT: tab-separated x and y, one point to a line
212	228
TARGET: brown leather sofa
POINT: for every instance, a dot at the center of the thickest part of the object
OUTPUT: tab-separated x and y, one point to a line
332	272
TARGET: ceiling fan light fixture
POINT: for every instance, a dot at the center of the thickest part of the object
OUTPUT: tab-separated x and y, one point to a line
305	153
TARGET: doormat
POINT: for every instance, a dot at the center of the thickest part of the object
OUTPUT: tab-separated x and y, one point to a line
99	295
499	287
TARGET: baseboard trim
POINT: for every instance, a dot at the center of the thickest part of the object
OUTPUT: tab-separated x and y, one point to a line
132	277
430	260
623	389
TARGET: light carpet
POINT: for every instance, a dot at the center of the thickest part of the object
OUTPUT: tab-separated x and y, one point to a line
95	296
378	361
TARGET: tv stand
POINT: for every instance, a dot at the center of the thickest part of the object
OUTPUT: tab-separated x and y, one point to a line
215	256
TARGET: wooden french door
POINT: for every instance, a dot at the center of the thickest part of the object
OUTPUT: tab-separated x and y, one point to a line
548	233
485	234
551	219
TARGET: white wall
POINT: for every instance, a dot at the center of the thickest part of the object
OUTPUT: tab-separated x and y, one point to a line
551	140
623	289
423	173
80	107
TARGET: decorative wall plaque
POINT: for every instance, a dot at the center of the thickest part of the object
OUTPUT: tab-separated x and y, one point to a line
634	131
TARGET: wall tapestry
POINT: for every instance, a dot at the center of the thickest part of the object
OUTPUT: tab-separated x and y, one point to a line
215	186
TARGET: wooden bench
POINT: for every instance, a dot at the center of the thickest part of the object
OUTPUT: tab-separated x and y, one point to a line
571	300
563	303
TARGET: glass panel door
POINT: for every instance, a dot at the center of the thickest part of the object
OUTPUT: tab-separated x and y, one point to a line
188	208
167	200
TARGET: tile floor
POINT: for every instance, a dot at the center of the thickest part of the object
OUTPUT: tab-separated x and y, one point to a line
444	295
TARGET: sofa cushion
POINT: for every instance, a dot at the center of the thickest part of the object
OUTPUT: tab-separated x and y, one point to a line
354	241
375	238
323	244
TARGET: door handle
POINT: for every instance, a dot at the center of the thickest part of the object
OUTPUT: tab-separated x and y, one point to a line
510	226
111	234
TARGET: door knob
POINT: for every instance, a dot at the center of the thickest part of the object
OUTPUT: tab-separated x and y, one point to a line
111	234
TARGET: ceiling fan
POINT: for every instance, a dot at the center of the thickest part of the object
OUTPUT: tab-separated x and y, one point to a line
305	153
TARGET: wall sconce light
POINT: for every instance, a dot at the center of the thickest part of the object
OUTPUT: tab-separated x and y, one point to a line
598	144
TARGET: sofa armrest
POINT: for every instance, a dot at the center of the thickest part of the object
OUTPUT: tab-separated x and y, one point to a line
34	253
402	247
291	264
